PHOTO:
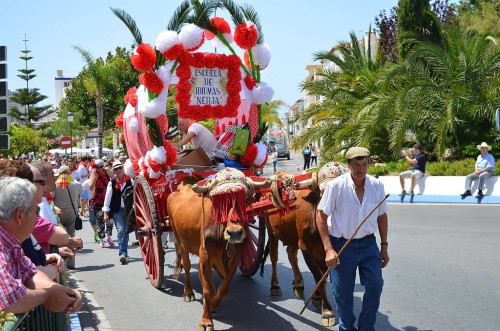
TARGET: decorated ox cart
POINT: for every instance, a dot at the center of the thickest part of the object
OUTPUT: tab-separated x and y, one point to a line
227	91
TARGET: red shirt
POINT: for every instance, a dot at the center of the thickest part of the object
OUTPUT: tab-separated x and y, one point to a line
15	269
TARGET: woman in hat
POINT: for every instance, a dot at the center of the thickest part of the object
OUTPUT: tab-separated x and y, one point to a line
485	166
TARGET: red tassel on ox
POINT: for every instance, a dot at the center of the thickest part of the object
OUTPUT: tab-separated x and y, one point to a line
222	204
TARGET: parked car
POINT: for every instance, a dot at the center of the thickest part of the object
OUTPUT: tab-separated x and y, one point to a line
283	151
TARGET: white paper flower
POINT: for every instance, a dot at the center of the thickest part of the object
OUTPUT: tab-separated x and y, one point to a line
158	154
166	40
191	37
129	169
133	125
261	154
155	107
261	55
262	93
166	77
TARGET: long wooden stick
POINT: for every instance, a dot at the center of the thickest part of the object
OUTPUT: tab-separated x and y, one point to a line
342	250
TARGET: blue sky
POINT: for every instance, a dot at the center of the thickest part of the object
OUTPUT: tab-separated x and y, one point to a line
293	29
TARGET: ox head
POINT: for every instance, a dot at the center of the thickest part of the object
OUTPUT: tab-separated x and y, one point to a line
230	192
328	172
286	188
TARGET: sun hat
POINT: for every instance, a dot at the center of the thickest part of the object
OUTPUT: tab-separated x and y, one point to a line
483	144
117	164
355	152
64	170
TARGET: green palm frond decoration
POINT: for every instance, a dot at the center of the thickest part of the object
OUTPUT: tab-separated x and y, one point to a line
129	22
202	12
235	11
179	17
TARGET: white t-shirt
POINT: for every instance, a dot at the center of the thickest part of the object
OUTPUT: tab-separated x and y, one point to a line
203	138
75	175
85	186
83	172
345	213
46	211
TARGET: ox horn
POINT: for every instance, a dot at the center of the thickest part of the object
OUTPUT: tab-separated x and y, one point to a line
304	183
202	189
259	184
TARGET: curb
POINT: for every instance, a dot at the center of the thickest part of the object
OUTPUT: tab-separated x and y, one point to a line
452	199
74	323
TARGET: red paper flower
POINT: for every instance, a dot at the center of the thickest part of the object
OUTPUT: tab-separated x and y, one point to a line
171	153
220	25
122	139
131	97
146	58
152	82
119	120
245	35
174	52
250	155
250	82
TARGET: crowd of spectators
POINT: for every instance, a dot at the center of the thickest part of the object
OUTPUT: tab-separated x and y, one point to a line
39	201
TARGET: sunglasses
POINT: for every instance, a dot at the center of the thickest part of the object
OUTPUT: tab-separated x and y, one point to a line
118	168
40	181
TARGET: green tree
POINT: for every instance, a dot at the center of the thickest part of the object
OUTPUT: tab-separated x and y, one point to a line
446	95
337	119
98	77
24	140
28	98
481	16
415	21
270	112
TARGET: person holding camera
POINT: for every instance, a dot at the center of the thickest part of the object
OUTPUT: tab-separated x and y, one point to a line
417	171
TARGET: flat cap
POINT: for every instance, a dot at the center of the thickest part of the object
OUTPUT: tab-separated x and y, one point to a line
355	152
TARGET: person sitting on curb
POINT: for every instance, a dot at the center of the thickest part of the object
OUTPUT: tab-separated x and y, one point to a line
485	166
418	170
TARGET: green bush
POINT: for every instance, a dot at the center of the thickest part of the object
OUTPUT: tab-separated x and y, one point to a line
378	170
437	168
461	168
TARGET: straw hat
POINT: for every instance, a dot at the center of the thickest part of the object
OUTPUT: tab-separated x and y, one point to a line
483	144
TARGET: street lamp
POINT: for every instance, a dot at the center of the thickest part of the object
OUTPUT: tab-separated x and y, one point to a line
70	121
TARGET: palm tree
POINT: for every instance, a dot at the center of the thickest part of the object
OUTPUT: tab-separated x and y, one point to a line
336	120
446	95
98	76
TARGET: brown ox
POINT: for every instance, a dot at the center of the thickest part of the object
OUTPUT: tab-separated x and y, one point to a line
297	230
219	246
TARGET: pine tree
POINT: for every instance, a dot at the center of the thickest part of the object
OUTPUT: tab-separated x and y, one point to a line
416	21
28	98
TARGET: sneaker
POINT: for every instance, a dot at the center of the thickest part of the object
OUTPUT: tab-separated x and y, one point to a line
123	259
110	242
102	243
479	194
467	193
96	237
411	193
403	192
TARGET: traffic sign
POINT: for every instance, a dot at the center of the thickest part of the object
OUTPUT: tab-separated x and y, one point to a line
65	142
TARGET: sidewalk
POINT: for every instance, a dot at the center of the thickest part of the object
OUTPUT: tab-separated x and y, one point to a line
441	189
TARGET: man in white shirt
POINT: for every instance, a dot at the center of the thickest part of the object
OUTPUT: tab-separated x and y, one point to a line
345	203
200	136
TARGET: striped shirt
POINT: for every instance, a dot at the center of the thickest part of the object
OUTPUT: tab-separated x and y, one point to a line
15	269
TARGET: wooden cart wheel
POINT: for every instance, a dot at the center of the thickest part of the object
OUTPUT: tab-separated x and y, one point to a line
254	250
149	231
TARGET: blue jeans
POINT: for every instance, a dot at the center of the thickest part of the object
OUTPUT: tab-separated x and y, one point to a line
362	254
121	229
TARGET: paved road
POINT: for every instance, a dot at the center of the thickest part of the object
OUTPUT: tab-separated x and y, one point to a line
443	275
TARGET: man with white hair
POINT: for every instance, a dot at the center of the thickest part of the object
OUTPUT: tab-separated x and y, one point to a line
484	169
23	287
